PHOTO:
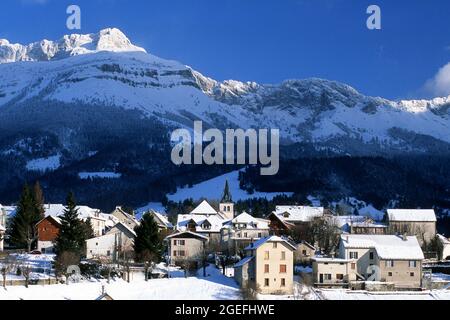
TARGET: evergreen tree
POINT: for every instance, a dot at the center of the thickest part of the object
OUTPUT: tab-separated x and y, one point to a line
39	200
147	243
72	235
88	230
23	227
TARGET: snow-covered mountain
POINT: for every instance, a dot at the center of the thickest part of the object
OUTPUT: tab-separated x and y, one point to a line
112	40
107	69
99	104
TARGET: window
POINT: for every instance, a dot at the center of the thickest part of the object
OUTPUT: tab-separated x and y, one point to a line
412	274
266	255
108	253
283	255
245	235
266	268
353	266
174	253
389	263
283	282
371	256
275	245
283	268
340	277
259	235
353	255
389	274
266	282
413	264
327	276
304	252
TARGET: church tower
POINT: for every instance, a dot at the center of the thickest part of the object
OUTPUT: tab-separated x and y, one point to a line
226	206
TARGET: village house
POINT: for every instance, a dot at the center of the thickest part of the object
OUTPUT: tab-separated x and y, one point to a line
161	220
125	218
267	267
444	247
304	253
118	240
385	258
286	219
48	230
420	223
203	220
238	233
99	220
186	247
330	272
368	226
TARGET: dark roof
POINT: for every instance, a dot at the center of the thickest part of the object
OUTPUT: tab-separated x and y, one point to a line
226	197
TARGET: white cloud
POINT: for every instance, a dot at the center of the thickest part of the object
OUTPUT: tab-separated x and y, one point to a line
440	84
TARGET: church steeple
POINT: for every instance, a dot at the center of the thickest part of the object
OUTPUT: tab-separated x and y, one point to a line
226	204
226	197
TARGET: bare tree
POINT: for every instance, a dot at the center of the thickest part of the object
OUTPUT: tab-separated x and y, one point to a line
7	266
26	273
149	258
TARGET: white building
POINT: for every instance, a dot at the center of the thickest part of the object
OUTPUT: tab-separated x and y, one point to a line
298	214
243	230
118	239
203	220
444	247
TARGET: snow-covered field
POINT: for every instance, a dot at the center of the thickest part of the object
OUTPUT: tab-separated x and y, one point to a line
363	295
98	175
213	190
44	164
214	287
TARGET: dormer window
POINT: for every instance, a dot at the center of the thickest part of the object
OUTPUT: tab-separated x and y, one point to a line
286	215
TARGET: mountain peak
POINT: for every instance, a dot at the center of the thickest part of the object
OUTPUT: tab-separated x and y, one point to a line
110	39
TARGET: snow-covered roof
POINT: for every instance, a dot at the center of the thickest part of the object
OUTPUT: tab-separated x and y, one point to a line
243	262
298	213
348	220
412	215
388	247
84	212
262	241
443	239
215	221
166	223
182	233
250	221
204	208
2	228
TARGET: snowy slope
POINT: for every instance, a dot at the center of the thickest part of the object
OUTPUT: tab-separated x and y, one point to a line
213	189
107	69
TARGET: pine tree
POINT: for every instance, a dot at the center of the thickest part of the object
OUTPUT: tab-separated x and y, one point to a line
39	200
88	230
147	245
72	235
23	227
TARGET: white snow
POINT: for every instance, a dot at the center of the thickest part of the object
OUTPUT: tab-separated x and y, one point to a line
99	175
214	287
411	215
388	247
213	189
155	206
44	164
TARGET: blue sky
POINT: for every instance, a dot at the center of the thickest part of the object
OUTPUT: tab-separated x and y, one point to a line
268	41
